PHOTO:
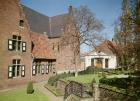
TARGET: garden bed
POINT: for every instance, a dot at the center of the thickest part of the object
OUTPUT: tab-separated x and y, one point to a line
54	90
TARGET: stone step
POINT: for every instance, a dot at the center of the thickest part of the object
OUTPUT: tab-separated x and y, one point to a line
73	97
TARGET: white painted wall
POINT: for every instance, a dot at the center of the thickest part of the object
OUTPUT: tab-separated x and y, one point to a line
112	63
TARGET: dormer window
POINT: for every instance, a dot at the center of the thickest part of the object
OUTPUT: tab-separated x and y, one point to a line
21	23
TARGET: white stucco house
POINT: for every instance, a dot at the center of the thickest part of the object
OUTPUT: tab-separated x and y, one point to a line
101	57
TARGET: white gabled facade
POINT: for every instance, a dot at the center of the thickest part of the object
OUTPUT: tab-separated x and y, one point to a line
112	63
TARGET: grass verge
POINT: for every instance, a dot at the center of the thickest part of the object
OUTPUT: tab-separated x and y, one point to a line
21	95
85	79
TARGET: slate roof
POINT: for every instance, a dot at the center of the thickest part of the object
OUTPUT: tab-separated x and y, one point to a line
41	47
57	24
40	23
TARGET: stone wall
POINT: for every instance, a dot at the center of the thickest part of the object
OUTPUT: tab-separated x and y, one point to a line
102	93
61	85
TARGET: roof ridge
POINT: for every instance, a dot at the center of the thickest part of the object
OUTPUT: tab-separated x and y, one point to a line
35	10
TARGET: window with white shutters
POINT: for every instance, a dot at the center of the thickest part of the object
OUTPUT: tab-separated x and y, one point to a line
16	44
23	70
16	69
23	46
33	70
10	75
10	44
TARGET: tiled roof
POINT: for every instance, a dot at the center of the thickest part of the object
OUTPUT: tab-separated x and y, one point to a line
104	47
41	46
40	23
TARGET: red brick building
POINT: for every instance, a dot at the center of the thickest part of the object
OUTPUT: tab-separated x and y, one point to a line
30	45
15	45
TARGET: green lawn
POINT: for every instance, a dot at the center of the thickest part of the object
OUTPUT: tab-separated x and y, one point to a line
85	79
21	95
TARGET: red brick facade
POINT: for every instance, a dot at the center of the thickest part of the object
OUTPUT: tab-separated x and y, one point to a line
10	16
30	50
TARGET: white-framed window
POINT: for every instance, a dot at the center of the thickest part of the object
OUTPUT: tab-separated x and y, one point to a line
23	46
42	69
10	44
10	72
23	70
33	70
16	44
16	69
50	66
47	69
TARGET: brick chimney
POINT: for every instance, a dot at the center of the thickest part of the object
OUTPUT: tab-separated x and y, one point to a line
70	9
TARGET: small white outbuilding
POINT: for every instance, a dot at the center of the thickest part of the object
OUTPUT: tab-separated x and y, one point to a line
101	57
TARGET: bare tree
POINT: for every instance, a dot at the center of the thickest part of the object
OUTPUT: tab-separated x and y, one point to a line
81	28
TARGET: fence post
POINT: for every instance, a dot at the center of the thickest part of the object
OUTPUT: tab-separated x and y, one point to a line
96	92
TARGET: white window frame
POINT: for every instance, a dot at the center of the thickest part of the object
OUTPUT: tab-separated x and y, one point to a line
10	74
10	44
21	69
34	70
23	46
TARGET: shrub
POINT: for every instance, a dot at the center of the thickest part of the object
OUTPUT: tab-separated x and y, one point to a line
93	81
30	89
103	75
90	70
53	80
124	83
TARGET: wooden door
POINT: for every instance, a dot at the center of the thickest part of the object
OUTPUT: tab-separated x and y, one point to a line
99	63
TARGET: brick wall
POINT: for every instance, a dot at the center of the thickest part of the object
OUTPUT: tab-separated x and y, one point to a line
10	15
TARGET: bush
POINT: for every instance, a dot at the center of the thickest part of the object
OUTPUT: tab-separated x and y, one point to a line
124	83
30	89
117	82
53	80
90	70
93	81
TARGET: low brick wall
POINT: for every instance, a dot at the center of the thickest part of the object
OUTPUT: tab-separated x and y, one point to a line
61	85
107	94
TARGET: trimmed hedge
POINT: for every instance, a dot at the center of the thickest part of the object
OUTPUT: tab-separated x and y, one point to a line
90	70
53	80
30	89
124	83
129	84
